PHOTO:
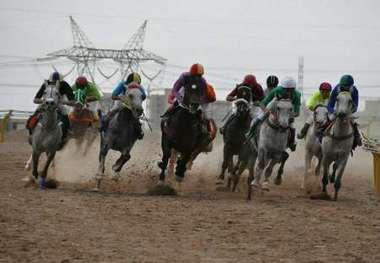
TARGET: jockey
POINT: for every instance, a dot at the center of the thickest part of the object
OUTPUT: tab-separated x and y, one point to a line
176	96
287	90
272	82
64	90
91	91
133	81
346	83
257	94
320	97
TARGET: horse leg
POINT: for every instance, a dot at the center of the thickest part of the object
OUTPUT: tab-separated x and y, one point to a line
102	157
28	163
50	158
166	152
340	170
268	173
251	176
284	158
308	157
124	157
225	163
332	176
325	177
181	166
172	161
35	159
259	170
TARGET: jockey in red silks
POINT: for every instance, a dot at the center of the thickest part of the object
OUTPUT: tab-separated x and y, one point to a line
256	95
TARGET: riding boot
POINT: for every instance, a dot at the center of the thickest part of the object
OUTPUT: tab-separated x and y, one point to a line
292	139
357	136
303	131
139	130
222	129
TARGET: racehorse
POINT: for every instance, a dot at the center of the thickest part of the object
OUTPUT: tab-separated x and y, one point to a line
234	137
271	144
337	144
182	132
83	122
47	135
121	133
313	146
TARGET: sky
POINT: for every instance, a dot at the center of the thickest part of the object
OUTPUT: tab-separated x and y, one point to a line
230	38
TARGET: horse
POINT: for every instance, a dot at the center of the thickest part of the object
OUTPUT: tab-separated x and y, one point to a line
337	144
313	146
83	122
234	137
271	144
182	133
47	135
121	133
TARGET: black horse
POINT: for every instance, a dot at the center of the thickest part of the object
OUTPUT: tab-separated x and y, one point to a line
182	132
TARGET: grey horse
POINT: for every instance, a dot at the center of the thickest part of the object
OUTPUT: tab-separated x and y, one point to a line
121	133
47	135
272	143
337	144
313	146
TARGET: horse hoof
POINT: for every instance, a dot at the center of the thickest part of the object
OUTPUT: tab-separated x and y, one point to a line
29	181
42	183
277	181
179	179
27	167
115	176
265	187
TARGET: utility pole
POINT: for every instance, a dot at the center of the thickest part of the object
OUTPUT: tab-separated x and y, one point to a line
85	56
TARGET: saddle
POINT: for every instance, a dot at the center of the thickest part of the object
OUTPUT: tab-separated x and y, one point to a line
32	121
84	117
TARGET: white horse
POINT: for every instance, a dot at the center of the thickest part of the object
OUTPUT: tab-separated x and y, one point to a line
337	144
313	146
47	134
272	142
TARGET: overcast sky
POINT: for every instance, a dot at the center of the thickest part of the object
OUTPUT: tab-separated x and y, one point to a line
231	39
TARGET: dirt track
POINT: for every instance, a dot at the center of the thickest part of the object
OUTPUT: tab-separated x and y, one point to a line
123	224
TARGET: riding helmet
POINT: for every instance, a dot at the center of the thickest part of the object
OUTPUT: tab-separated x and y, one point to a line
197	69
133	77
250	79
346	80
272	81
81	81
288	83
325	86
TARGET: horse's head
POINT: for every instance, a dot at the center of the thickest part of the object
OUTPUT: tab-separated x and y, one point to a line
51	96
242	107
134	100
343	107
282	112
320	115
244	92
